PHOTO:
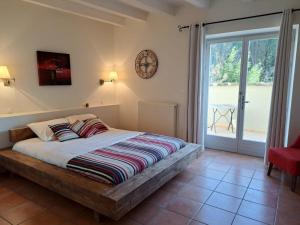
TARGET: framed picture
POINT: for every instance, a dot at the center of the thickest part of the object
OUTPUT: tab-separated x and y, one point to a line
53	68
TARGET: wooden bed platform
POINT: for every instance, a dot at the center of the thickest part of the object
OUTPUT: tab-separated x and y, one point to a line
110	201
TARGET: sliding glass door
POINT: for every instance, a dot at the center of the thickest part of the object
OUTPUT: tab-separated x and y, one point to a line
239	74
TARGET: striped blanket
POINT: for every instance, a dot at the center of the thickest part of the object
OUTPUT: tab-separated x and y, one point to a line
119	162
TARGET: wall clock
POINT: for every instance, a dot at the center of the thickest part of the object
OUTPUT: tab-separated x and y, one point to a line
146	64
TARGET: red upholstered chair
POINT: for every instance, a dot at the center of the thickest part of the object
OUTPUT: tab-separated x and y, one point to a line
286	159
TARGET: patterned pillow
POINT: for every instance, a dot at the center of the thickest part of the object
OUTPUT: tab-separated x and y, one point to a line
77	125
90	128
63	132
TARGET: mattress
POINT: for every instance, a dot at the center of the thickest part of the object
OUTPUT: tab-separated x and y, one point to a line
111	157
60	153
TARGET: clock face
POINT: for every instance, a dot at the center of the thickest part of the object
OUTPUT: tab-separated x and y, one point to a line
146	64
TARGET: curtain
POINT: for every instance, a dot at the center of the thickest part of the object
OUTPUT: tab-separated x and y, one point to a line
279	103
195	115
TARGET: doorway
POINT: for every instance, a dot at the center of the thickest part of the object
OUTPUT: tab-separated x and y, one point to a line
239	75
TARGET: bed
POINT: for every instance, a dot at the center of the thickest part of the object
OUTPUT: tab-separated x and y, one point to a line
48	168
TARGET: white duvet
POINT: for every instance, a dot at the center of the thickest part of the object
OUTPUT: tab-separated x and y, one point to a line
59	153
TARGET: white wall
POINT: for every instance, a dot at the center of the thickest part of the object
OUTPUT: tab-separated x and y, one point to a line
26	28
160	34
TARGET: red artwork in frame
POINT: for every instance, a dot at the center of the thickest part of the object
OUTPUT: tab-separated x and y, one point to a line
54	68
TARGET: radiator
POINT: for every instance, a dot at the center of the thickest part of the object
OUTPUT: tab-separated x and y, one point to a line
157	117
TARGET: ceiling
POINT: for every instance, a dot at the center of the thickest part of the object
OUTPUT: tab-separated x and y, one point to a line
116	12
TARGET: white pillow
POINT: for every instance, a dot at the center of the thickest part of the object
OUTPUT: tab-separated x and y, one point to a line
72	119
42	130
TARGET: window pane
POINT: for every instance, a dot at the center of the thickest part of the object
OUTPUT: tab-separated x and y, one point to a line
261	65
224	78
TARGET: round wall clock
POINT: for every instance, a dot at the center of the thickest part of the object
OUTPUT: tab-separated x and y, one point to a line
146	64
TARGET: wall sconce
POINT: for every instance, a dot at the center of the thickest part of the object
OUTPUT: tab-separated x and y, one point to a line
5	76
113	76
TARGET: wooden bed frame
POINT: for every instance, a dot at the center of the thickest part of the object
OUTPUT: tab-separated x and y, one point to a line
106	200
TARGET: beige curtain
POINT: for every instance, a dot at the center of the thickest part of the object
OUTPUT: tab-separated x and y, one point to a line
195	115
279	104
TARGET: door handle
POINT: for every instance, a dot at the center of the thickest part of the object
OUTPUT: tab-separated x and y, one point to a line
244	102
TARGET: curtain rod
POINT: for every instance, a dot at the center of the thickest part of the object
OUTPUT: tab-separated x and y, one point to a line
181	28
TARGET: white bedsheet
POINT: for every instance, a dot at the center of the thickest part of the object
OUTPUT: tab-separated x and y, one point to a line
59	153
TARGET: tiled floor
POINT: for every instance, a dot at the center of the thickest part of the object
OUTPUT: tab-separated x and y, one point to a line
218	189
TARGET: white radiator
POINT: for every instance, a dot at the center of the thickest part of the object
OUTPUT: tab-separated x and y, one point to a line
157	117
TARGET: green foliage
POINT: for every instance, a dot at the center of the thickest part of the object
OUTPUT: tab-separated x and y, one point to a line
225	61
254	74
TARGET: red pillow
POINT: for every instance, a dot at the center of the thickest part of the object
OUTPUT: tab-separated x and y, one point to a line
91	127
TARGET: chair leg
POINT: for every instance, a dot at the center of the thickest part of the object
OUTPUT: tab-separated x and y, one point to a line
294	182
270	169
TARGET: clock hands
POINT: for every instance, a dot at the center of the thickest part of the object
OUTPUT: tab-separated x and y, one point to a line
147	64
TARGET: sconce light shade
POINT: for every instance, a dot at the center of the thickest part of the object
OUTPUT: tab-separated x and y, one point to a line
4	74
113	76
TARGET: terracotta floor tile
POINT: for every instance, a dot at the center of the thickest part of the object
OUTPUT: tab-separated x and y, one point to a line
143	213
224	202
165	217
257	212
231	189
283	219
4	222
39	195
264	185
260	197
214	174
184	177
218	166
238	180
262	175
172	186
214	216
205	182
198	165
240	220
122	222
287	211
196	170
194	222
87	218
286	201
22	212
44	218
184	206
67	209
194	193
14	182
4	191
10	201
160	198
67	223
242	172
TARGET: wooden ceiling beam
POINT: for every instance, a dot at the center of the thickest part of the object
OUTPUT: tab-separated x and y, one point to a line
80	10
199	3
153	6
116	7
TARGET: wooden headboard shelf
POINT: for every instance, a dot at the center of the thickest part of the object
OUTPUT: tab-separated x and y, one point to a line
20	134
